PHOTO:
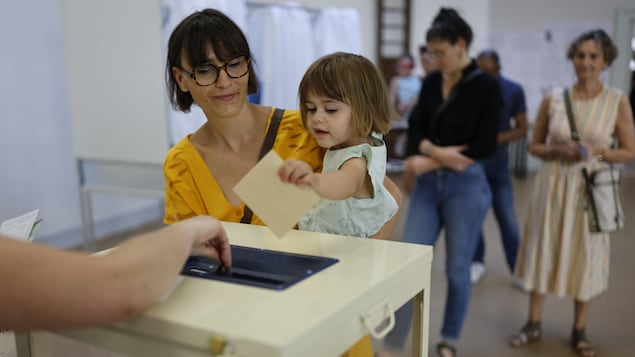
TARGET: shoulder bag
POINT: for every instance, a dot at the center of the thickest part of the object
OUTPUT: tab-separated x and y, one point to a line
603	200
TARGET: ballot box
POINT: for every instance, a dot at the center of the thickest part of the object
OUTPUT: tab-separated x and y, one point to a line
352	291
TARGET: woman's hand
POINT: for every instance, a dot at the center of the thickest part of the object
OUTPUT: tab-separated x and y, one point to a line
447	156
569	151
208	238
451	157
585	151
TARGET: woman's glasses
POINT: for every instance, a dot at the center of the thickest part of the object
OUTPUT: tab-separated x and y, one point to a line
207	74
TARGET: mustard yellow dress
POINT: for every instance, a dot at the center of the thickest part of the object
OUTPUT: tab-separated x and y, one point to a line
191	189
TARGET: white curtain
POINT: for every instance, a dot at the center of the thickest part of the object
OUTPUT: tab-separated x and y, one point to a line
337	29
182	124
286	39
280	39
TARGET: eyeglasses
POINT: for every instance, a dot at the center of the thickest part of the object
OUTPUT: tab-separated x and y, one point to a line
207	74
437	54
428	56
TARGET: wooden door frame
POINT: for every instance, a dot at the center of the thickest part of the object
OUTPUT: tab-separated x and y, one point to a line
620	71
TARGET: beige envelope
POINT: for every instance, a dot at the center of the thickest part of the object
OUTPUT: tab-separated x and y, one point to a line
280	205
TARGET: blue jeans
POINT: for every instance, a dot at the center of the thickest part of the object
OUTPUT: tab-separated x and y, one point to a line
500	183
457	202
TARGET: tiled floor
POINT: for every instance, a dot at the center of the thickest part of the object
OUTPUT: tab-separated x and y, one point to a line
497	307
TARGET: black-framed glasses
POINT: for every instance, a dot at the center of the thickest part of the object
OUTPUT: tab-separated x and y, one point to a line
207	74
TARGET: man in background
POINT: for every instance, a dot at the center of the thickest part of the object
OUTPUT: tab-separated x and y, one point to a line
513	125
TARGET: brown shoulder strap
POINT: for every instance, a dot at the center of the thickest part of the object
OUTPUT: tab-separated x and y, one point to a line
567	102
266	146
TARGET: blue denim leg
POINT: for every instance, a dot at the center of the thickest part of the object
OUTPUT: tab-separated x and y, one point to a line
466	199
459	202
500	182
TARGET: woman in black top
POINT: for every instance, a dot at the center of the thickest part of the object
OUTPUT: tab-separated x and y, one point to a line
454	124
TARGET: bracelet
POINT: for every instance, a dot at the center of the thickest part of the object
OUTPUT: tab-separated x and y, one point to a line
600	156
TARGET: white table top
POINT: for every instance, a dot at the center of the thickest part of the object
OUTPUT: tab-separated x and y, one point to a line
320	313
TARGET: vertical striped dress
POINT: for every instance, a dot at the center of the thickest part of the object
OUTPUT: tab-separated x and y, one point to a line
558	254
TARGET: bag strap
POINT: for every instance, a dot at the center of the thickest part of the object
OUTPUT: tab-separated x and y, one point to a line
591	200
585	174
437	113
567	102
588	178
267	144
615	182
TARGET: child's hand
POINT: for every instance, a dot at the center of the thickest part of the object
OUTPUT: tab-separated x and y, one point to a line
296	172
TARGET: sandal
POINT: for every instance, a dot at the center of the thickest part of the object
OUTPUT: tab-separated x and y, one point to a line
443	348
581	344
529	333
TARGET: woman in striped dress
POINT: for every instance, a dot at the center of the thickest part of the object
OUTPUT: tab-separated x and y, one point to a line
558	253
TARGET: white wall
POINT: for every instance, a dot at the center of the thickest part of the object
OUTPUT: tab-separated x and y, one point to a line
36	157
115	79
584	13
523	15
35	136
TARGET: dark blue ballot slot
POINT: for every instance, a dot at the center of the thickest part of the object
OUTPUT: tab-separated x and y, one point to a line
259	267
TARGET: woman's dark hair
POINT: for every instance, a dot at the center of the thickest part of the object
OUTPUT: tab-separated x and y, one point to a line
609	50
408	56
191	41
448	26
490	54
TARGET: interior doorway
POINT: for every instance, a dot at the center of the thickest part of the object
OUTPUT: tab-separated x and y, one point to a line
623	71
624	39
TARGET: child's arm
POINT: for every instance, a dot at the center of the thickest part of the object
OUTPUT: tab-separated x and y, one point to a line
344	183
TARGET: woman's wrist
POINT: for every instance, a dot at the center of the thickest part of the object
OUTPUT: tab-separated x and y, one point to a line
184	230
426	148
600	154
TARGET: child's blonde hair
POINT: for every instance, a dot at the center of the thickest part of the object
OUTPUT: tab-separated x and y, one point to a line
354	80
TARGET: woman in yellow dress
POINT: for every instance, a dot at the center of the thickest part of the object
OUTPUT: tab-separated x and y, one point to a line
209	63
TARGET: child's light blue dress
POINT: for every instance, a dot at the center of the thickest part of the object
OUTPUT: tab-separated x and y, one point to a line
357	217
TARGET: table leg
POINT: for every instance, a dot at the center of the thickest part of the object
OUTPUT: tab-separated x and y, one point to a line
421	323
23	344
88	229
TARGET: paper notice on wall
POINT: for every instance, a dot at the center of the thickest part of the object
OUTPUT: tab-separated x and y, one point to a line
22	227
